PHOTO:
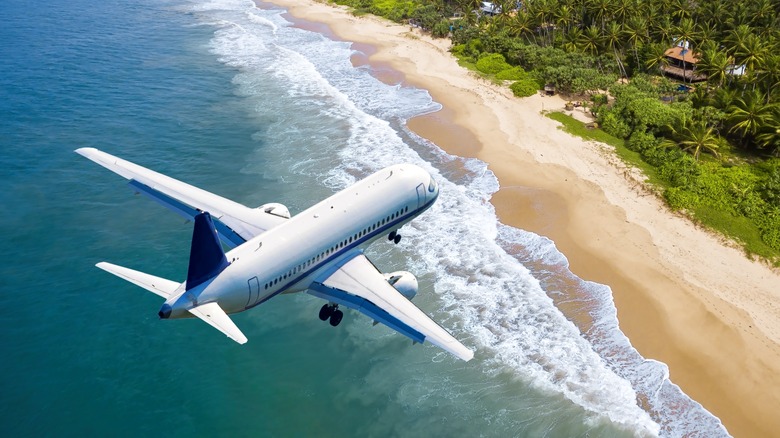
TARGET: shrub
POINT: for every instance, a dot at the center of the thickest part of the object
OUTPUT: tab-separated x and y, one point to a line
641	140
614	125
492	63
658	155
680	199
441	29
512	74
524	88
770	228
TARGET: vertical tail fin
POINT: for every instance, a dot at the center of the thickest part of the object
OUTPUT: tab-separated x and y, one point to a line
207	258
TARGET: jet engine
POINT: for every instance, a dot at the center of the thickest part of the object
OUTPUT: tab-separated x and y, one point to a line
404	282
275	209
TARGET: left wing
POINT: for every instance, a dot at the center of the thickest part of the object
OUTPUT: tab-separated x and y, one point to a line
236	223
357	284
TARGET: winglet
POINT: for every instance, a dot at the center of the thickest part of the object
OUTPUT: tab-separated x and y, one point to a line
207	258
214	316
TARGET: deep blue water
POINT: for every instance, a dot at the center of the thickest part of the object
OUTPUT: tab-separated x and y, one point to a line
232	99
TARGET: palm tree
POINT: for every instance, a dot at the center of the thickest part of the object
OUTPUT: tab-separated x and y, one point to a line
738	15
591	40
623	9
748	114
706	36
695	137
523	25
685	30
564	17
768	75
542	11
601	10
763	13
656	56
751	52
681	9
572	40
736	37
712	12
612	40
715	64
664	30
769	136
724	97
636	33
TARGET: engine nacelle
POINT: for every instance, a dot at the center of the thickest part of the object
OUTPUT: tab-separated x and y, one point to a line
275	209
404	282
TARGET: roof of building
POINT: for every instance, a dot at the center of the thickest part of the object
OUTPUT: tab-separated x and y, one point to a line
682	54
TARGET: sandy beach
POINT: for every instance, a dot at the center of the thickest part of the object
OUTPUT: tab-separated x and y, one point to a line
684	296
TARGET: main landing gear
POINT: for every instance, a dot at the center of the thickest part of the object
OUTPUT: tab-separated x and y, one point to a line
332	312
394	237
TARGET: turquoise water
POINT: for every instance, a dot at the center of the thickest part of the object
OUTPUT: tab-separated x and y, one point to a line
233	99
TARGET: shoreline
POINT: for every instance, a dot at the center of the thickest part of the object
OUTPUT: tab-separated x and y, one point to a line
682	296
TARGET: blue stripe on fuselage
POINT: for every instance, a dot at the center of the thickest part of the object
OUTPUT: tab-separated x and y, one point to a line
336	254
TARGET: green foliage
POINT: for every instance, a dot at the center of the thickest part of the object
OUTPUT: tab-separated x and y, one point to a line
680	199
741	200
770	187
469	51
651	114
614	124
392	9
512	74
657	155
642	140
492	63
524	88
576	127
599	99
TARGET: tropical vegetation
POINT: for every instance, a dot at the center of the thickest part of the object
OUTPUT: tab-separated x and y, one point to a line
713	146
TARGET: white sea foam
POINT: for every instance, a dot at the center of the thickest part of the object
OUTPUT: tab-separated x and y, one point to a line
495	285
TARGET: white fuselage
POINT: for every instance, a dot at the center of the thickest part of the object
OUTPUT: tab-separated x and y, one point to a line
311	245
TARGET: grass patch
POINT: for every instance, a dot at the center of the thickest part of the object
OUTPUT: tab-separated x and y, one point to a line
737	228
578	128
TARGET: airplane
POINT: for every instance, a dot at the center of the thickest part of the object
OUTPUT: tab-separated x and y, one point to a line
270	252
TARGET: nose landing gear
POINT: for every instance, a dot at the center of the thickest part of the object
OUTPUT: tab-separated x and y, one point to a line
332	312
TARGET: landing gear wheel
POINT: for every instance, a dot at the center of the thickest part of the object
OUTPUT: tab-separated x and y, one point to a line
397	239
392	236
335	319
326	311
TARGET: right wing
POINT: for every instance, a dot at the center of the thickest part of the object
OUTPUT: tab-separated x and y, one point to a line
236	223
357	284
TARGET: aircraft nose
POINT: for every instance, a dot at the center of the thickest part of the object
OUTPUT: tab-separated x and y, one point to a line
165	311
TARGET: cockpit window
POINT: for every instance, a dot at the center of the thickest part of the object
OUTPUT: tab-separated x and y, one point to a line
432	185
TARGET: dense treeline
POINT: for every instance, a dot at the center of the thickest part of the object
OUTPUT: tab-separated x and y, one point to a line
714	148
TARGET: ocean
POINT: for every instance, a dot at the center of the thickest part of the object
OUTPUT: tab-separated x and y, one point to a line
233	98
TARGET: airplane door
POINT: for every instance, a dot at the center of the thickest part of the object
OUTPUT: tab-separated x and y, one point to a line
420	195
254	291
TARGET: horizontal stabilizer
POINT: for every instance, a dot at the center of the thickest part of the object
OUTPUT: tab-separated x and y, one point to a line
217	318
160	286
